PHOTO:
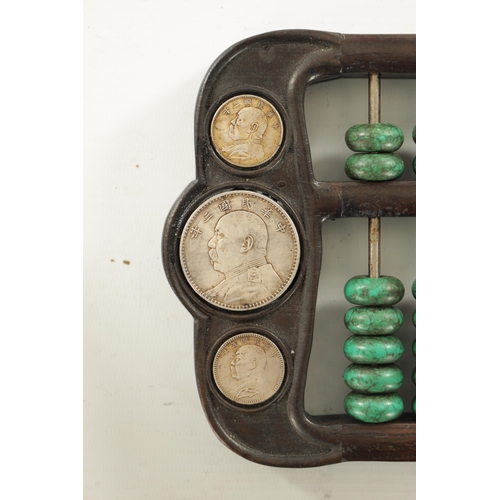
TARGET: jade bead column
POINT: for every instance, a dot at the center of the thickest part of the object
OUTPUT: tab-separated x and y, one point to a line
373	349
375	159
373	377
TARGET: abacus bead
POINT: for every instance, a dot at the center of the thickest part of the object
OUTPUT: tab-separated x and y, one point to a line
414	288
374	167
374	408
372	350
373	379
414	405
414	347
374	138
414	318
381	291
373	320
414	164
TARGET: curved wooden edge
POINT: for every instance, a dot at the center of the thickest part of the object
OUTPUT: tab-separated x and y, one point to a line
282	434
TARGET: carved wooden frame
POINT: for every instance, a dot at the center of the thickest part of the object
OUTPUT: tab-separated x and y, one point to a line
278	66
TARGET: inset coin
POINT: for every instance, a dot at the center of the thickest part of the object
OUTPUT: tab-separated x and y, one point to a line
247	131
239	250
248	368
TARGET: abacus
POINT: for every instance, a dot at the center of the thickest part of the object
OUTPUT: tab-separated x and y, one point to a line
242	250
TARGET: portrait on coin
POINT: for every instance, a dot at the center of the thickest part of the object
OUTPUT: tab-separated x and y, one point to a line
247	368
246	130
238	249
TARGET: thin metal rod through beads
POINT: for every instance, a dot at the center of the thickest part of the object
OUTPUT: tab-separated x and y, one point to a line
374	223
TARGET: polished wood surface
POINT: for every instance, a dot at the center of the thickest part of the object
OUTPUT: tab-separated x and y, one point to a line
278	66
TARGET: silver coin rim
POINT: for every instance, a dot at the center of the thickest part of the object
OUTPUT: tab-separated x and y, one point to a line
282	372
257	305
225	103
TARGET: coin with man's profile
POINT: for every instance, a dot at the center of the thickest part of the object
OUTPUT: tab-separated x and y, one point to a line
239	250
247	130
248	368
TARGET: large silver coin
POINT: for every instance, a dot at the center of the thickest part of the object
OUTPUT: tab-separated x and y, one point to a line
247	130
248	368
239	250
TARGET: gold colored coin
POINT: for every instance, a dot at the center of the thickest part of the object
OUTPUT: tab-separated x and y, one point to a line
248	368
239	250
247	131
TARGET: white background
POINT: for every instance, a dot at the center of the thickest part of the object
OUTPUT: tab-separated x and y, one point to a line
145	434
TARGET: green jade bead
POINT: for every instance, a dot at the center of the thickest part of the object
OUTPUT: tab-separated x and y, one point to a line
373	350
414	164
381	291
414	288
414	405
374	138
414	318
373	320
414	376
374	167
373	408
373	379
414	347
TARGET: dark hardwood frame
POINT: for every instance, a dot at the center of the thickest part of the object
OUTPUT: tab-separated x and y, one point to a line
278	66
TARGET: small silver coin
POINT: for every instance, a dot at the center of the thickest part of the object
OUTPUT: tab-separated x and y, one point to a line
247	131
248	368
239	250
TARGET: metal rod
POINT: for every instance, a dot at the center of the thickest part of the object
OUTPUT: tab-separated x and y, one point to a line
374	98
374	224
374	247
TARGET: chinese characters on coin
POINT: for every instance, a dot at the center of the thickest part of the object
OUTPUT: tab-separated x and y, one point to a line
248	368
239	250
247	131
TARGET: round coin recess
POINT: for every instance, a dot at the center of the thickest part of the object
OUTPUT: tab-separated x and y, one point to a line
246	131
239	250
248	368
